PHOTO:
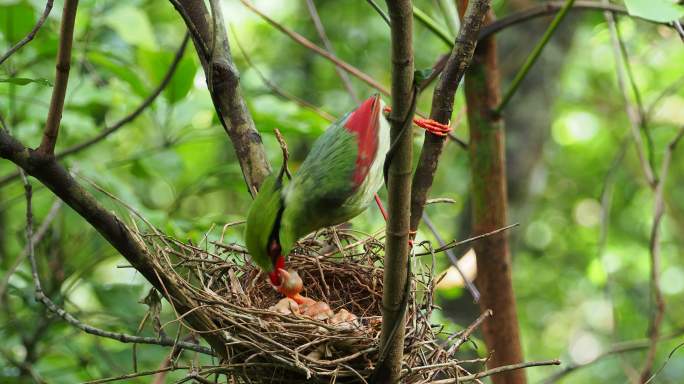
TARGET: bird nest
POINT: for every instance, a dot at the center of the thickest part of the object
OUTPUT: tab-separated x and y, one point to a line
338	267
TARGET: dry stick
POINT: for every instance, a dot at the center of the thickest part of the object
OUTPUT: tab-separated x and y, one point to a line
40	295
318	50
37	237
453	244
443	104
549	8
454	260
328	46
633	113
125	120
66	37
399	193
617	348
654	248
494	371
275	88
31	35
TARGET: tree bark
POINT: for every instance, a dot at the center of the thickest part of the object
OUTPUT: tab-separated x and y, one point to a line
399	194
223	81
489	206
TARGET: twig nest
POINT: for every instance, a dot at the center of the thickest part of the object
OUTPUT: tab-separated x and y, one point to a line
332	338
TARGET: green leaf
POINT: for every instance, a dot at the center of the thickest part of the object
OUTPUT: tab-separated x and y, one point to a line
133	26
25	81
156	64
657	10
119	69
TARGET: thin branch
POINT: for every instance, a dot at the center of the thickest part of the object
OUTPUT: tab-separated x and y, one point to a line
534	55
494	371
328	46
318	50
443	104
61	183
66	38
453	244
634	114
37	237
432	25
275	88
31	34
550	8
654	248
617	348
398	169
452	258
40	295
123	121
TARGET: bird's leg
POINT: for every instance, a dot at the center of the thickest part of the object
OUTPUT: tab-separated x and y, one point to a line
432	126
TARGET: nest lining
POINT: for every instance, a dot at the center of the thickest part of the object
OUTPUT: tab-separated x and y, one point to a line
337	267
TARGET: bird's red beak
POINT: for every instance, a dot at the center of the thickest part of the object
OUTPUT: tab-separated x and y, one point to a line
278	266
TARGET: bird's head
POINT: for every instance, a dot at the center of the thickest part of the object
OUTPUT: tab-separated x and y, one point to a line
263	227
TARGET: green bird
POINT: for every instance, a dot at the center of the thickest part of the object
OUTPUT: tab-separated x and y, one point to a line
336	182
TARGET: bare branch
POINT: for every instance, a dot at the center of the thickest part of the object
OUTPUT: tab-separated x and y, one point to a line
654	248
318	50
46	169
125	120
40	295
276	89
550	8
31	34
443	104
36	239
494	371
66	37
328	46
634	114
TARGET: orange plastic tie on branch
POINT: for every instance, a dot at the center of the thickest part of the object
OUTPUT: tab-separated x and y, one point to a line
432	126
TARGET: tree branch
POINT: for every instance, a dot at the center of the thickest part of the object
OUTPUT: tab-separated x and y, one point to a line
318	50
534	55
328	47
46	169
654	250
66	38
497	370
399	169
223	80
31	34
443	104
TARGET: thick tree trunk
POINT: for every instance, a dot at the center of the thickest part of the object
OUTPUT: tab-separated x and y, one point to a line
489	206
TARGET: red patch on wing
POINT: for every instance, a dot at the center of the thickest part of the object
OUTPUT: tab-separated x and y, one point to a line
364	122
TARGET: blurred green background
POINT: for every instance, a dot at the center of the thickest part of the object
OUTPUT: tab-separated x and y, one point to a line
580	270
